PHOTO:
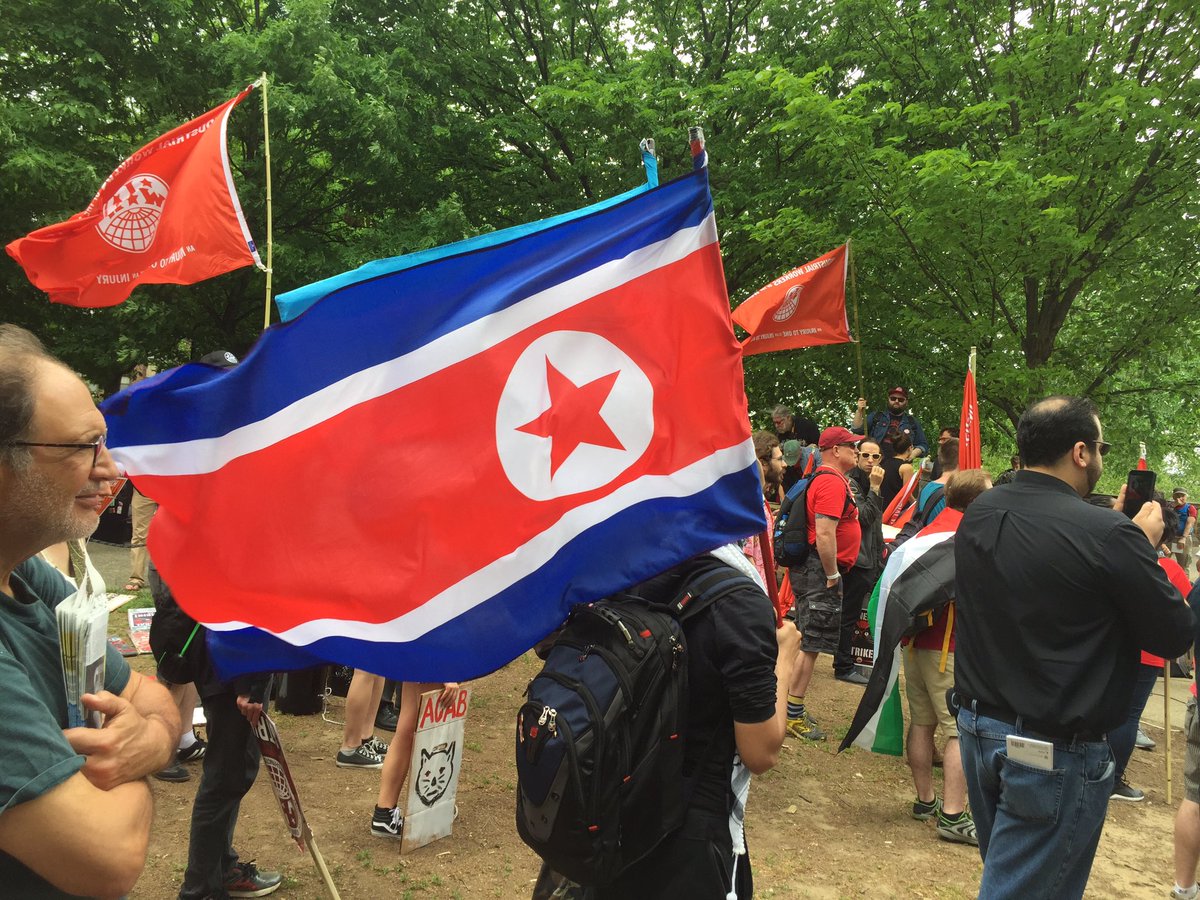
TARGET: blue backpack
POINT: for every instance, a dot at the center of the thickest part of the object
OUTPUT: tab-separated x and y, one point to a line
790	539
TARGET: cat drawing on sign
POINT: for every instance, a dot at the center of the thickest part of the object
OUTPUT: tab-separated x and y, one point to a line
434	775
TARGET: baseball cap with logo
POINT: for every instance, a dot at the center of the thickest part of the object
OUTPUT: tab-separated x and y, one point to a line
903	392
835	435
222	359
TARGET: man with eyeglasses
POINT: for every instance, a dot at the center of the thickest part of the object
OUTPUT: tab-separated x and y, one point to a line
75	809
1055	599
834	534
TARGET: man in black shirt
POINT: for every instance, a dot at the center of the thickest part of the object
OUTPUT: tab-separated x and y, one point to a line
737	704
1055	599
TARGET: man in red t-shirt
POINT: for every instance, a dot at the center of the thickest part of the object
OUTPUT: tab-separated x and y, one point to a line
834	532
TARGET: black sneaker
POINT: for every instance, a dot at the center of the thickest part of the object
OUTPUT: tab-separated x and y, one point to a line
359	758
246	881
387	718
375	745
387	823
1123	790
173	773
193	753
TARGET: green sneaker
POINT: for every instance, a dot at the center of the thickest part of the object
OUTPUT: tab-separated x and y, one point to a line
959	830
923	811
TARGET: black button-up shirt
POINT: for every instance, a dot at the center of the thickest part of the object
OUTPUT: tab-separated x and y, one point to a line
1056	598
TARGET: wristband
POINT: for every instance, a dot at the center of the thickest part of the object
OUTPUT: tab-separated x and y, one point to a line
834	577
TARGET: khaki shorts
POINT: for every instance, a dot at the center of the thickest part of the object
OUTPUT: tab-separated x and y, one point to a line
926	688
1191	762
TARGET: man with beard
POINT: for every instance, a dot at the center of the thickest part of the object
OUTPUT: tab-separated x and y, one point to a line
75	808
1055	599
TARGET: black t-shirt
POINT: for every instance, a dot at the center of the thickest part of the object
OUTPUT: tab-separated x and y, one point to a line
892	482
805	430
731	651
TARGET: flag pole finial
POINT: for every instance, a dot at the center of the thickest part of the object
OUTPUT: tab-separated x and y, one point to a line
696	142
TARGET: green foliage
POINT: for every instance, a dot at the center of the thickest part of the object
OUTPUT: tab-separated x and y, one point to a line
1016	179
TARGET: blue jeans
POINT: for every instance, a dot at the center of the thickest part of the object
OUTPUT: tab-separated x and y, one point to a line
1038	830
1123	737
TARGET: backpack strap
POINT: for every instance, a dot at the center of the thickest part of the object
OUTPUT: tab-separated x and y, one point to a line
930	503
706	585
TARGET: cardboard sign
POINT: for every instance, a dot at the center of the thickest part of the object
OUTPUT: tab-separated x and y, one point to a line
863	647
434	769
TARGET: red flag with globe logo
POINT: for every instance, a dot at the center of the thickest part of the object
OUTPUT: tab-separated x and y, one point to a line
169	214
805	307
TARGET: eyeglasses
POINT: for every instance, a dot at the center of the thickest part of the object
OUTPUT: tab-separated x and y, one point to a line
95	446
1102	447
870	455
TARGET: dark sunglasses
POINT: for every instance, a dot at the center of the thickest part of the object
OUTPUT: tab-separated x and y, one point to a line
1102	447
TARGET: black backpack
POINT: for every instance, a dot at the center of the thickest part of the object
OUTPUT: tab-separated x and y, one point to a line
790	538
599	743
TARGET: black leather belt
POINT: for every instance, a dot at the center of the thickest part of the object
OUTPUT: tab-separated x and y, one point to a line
1024	723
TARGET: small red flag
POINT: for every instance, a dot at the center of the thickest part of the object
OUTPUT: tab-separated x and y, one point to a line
169	214
970	452
907	495
804	308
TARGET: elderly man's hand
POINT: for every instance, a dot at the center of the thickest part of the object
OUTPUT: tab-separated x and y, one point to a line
128	747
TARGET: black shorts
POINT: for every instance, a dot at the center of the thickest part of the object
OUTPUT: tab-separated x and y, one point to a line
818	608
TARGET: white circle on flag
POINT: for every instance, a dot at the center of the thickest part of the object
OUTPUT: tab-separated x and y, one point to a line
131	215
791	302
626	414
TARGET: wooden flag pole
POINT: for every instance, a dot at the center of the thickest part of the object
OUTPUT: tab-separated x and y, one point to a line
267	159
857	331
971	361
322	868
1167	722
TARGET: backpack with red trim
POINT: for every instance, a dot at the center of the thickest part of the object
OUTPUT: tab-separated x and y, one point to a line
599	742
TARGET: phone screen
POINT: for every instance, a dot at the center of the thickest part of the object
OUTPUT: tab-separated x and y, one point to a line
1139	489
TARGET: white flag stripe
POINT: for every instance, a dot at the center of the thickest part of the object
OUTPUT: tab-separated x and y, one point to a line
210	454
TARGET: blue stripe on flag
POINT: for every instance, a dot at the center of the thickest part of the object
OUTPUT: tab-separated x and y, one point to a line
637	543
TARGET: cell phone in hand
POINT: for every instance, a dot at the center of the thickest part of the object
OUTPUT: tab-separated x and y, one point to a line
1139	490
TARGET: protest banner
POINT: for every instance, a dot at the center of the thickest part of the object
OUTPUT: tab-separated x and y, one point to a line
433	772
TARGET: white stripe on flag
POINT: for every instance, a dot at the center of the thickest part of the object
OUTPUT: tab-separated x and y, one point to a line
209	454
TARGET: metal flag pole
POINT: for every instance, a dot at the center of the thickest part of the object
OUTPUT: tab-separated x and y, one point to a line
857	329
267	159
696	142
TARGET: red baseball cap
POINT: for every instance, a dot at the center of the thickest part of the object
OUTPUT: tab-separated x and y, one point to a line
835	435
898	390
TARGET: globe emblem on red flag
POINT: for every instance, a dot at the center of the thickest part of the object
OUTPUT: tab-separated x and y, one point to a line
575	413
791	302
131	215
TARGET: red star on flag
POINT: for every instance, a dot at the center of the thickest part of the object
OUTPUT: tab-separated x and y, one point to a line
573	417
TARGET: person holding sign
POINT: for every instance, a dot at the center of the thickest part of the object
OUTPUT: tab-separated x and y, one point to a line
388	820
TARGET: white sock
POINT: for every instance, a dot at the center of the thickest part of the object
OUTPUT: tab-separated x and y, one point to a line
189	738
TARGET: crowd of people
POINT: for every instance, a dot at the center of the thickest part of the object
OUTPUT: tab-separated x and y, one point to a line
1062	611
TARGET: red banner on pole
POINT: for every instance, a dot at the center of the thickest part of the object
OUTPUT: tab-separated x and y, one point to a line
169	214
804	308
970	455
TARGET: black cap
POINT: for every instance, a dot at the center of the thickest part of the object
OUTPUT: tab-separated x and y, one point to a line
222	359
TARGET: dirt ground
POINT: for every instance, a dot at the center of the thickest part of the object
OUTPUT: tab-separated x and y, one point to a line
820	825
